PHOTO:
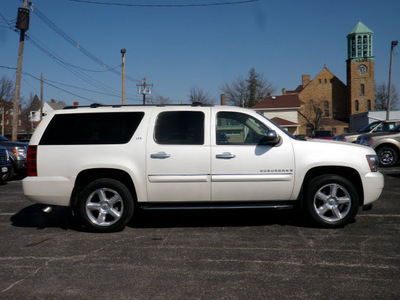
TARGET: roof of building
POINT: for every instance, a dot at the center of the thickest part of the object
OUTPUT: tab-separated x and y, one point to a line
281	101
283	122
55	105
360	28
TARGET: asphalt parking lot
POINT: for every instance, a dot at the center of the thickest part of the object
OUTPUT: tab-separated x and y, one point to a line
200	255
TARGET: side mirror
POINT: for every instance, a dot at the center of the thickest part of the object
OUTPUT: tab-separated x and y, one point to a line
270	139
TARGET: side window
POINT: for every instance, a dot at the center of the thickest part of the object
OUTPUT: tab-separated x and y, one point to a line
91	128
239	129
180	128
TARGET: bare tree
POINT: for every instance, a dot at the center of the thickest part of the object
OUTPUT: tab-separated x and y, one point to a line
312	114
381	97
198	95
248	92
7	89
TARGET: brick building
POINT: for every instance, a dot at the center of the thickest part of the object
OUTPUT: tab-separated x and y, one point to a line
325	101
6	117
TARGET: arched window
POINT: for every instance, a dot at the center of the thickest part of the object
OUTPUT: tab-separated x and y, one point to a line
362	89
326	109
369	104
357	105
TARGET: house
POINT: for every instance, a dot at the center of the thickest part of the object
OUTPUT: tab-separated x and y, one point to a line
282	110
35	117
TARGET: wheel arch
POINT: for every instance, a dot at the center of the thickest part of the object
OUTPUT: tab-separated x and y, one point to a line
350	174
388	145
89	175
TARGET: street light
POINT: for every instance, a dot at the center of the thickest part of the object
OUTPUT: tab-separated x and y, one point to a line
394	43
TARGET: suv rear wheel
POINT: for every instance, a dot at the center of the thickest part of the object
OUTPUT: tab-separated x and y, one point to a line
105	205
331	200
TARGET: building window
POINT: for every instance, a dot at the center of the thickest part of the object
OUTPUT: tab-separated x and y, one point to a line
326	109
362	89
319	81
369	104
357	106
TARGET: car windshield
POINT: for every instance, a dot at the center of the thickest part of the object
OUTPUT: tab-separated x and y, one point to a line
370	127
323	133
3	139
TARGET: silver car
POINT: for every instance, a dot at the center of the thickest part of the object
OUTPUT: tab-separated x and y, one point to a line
377	126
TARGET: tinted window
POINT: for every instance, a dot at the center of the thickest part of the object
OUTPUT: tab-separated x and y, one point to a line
180	128
91	128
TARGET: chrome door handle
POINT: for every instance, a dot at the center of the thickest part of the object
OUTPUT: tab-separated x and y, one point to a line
160	155
225	155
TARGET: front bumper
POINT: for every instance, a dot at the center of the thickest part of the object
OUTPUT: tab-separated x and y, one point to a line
373	186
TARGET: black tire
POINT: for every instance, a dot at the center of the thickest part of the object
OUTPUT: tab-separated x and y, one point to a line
105	205
331	201
387	156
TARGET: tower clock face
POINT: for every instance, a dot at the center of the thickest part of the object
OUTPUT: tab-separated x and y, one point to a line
362	69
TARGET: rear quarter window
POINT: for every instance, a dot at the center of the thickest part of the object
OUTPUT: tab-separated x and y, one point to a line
91	128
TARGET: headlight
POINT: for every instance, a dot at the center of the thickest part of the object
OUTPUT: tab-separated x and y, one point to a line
373	163
367	142
20	153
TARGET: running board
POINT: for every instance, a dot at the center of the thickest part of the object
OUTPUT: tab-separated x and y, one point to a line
206	206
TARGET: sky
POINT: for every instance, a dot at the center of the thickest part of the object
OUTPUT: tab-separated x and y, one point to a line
77	45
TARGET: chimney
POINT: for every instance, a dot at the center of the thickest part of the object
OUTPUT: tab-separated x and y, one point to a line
284	91
53	101
223	101
305	79
76	103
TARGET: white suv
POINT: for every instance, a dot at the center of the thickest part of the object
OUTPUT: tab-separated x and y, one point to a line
106	162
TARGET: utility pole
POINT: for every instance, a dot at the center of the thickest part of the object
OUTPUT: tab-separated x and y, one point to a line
394	43
22	25
41	97
143	89
123	51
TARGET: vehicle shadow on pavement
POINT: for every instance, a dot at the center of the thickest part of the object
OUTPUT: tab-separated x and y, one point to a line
217	218
34	216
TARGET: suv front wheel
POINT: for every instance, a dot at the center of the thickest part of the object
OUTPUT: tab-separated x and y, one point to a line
331	200
105	205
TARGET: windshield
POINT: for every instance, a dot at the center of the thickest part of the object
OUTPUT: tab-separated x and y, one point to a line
282	129
3	139
322	133
370	127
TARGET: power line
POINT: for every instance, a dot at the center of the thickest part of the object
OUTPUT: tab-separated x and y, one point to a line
77	45
165	5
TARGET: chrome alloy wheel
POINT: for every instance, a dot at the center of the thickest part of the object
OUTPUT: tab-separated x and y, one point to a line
332	202
386	157
104	207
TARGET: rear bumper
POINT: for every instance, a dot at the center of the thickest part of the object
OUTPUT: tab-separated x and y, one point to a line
48	190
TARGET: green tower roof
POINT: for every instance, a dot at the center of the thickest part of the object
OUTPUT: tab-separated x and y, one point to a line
360	28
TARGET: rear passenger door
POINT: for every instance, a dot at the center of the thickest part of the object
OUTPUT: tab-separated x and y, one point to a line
178	155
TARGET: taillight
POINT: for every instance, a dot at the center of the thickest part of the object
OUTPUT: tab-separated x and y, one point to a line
31	165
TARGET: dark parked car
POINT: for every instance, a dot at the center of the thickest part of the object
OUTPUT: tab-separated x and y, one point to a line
5	164
322	134
17	153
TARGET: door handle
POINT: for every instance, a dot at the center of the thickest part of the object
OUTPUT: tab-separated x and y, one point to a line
160	155
225	155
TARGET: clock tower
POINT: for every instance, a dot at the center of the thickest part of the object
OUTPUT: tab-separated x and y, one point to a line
360	70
